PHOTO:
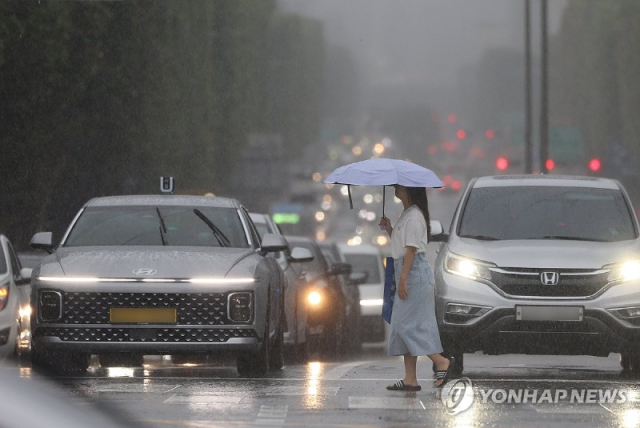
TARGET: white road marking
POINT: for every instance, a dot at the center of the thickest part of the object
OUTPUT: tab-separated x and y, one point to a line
387	403
304	390
203	399
272	415
341	370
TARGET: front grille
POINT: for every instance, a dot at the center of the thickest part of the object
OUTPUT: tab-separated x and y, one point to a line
192	308
572	282
139	335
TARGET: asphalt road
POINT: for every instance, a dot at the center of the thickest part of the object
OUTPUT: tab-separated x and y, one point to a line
509	390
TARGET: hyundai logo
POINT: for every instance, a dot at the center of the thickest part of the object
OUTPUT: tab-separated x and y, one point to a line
145	272
549	278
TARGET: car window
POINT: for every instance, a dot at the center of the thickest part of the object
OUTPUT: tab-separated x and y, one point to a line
171	225
547	212
15	262
369	263
3	261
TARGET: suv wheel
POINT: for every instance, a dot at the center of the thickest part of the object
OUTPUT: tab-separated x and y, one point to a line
276	356
630	363
256	363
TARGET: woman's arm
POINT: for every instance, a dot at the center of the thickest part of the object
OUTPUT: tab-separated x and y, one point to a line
406	267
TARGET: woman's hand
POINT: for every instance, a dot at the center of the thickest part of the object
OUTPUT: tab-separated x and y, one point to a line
402	289
385	224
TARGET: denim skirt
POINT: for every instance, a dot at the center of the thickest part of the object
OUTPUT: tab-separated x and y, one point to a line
414	329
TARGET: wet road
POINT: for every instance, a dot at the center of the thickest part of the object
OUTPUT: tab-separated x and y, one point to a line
510	390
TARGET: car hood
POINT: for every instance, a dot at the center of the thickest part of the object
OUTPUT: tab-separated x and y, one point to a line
121	263
547	253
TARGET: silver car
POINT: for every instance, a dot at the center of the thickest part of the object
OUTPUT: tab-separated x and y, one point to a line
541	264
14	303
139	275
295	339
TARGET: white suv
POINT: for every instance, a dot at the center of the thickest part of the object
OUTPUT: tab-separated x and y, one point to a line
541	264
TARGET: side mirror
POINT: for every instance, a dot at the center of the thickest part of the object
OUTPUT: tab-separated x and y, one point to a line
340	268
25	273
357	278
42	241
300	254
272	243
437	232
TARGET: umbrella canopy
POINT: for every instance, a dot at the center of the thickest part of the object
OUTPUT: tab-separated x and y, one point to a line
384	172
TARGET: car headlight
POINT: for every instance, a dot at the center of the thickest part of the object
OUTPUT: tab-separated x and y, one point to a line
626	271
240	307
314	298
4	295
468	268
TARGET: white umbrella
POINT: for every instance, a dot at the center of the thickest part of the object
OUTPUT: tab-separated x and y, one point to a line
383	172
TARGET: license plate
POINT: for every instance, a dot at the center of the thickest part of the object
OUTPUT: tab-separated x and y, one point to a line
143	315
549	313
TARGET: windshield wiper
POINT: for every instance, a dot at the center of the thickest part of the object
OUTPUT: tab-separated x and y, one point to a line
480	237
572	238
219	235
163	227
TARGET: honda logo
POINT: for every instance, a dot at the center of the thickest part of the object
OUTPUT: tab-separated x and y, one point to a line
145	272
549	278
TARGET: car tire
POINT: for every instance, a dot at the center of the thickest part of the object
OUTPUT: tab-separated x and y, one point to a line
630	364
276	355
256	363
120	359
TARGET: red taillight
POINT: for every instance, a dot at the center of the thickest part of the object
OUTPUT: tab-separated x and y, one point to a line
594	164
456	185
490	134
502	163
550	164
461	134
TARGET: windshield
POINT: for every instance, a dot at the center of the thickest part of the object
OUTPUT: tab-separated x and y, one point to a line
166	225
542	212
369	263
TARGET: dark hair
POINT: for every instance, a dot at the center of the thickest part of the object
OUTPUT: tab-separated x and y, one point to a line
418	196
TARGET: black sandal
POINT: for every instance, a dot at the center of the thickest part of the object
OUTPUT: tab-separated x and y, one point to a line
400	386
444	375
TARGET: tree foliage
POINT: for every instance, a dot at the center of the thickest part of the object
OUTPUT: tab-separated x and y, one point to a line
102	98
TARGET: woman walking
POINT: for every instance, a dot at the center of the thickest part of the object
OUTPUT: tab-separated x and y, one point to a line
414	329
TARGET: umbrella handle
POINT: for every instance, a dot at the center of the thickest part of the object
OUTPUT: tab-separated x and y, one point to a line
383	197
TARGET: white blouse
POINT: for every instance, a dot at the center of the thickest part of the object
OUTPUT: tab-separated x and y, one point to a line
409	230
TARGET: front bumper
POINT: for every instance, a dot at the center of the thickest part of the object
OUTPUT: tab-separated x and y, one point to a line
147	340
202	323
498	331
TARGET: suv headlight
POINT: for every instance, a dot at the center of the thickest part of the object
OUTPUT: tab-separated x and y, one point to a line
626	271
4	295
468	268
240	307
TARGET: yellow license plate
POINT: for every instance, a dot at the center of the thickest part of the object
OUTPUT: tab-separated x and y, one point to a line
143	315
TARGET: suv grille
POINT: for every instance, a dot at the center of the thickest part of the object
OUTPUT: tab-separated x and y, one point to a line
158	335
571	282
192	308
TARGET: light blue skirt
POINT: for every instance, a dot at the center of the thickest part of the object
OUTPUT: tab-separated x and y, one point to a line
414	329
